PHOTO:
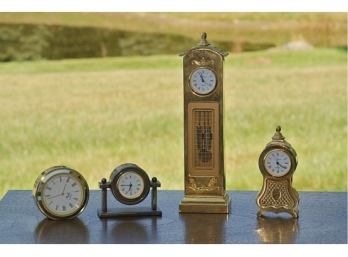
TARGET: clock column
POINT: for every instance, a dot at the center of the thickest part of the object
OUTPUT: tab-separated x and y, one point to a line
203	130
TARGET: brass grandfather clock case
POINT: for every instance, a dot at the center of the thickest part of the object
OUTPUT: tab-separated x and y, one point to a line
203	130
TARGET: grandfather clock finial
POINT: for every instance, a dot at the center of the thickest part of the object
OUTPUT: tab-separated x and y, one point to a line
204	41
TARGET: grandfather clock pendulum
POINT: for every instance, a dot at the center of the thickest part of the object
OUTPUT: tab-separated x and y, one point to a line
203	130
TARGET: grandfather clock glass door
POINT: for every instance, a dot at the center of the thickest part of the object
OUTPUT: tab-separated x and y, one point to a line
203	130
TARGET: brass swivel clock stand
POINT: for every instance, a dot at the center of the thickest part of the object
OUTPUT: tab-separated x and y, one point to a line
203	130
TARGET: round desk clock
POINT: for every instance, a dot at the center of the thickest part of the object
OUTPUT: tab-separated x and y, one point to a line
61	193
130	185
277	163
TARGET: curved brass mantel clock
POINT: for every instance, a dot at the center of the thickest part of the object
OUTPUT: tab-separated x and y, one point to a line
277	163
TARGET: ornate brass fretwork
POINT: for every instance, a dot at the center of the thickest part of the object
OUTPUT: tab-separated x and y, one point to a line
194	185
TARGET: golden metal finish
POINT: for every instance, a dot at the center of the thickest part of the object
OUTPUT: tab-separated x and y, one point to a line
277	194
203	132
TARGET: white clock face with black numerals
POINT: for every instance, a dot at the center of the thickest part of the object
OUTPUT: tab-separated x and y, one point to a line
277	163
130	185
203	81
63	195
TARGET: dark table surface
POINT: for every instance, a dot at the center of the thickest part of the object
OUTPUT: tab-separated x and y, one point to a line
322	220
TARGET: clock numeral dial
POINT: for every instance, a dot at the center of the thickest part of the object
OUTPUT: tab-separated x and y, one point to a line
277	163
130	185
203	81
65	194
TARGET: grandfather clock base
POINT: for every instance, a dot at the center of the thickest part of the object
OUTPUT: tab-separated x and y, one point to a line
205	204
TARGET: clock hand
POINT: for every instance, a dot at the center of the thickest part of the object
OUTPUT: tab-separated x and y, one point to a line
58	194
200	74
71	192
53	196
130	187
63	189
280	165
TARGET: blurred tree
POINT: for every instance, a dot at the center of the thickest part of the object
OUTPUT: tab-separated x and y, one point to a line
19	42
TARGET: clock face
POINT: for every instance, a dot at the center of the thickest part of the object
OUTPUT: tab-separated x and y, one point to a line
129	184
203	81
277	163
62	193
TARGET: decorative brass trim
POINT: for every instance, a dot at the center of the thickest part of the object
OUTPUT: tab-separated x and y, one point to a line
203	61
276	195
198	186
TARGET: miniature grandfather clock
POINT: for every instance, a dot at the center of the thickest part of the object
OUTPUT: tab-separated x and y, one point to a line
203	130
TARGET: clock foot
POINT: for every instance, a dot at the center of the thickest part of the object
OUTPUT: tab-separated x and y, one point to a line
259	213
292	212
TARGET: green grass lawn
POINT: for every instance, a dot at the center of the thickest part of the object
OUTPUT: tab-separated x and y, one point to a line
95	114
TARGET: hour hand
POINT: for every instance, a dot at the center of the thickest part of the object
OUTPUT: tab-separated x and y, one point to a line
200	74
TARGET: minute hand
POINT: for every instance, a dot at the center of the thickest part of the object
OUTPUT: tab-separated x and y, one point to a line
281	165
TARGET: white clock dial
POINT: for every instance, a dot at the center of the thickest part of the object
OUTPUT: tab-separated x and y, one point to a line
130	185
277	163
62	195
203	81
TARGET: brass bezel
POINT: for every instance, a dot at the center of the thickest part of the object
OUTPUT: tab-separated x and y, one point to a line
287	151
265	165
45	177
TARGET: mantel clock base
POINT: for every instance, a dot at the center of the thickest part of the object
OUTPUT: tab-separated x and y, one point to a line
276	197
